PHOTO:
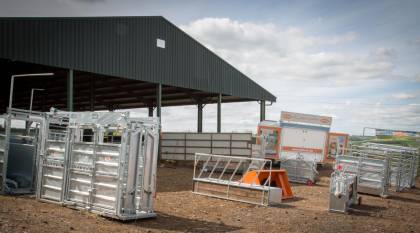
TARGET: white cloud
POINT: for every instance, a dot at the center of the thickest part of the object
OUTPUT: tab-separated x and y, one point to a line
384	54
269	51
417	78
404	96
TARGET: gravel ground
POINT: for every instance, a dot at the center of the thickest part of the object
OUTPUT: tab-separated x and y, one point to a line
179	210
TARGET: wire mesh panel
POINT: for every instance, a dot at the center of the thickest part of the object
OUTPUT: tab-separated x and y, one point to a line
300	170
372	174
223	177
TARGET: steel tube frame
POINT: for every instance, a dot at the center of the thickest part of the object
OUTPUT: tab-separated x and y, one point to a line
200	118
12	82
70	79
219	113
262	110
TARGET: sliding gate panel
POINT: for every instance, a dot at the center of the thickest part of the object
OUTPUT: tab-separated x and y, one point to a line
93	174
51	174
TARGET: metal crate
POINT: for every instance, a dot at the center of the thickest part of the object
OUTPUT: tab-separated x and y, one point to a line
83	168
300	170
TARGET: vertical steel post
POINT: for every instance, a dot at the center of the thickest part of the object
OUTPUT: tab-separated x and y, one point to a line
150	111
32	98
262	110
158	114
200	118
70	91
219	113
12	82
92	94
159	100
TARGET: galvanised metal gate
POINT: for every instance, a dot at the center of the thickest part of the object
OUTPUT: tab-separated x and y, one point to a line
372	174
51	170
20	145
403	162
109	165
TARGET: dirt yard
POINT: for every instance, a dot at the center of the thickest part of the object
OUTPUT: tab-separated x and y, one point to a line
179	210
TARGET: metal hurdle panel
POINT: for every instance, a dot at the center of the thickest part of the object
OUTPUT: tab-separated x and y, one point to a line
220	176
372	174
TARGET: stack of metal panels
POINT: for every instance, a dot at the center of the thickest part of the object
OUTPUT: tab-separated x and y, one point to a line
372	174
403	161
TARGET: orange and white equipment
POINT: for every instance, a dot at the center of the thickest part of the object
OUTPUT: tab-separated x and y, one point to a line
305	135
278	179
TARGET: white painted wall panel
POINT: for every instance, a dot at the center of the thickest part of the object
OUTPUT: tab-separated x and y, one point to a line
221	144
198	143
172	150
242	136
198	136
172	143
173	136
221	136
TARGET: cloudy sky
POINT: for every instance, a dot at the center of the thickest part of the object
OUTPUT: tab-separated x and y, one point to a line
358	61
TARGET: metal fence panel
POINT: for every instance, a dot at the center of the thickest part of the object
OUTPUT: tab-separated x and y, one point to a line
372	174
183	146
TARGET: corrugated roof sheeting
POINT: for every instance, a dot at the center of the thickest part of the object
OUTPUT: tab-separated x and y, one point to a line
124	47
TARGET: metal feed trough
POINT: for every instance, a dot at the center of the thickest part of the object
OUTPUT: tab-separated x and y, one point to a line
403	162
300	170
220	181
21	136
102	162
372	174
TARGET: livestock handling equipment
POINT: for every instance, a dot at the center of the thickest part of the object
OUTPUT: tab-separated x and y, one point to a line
103	162
343	192
240	179
372	174
21	136
403	162
300	170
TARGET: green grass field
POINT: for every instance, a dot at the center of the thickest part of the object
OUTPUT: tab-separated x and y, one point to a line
400	141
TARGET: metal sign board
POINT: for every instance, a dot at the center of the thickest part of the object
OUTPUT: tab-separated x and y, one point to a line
305	118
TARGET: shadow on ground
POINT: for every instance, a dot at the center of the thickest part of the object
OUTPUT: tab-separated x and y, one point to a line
166	222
